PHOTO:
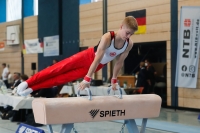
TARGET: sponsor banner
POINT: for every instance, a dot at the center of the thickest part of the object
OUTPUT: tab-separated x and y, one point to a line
32	46
188	48
2	46
51	46
140	16
24	128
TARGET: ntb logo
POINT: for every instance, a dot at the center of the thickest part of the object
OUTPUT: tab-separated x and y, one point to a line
187	22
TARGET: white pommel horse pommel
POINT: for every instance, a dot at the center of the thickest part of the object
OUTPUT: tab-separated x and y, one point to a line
67	111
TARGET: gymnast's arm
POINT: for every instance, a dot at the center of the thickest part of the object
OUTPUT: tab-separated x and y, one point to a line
103	45
120	62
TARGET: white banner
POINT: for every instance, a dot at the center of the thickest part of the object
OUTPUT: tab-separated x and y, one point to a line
188	48
51	46
32	46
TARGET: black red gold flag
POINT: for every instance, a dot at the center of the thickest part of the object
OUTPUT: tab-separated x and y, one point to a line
140	16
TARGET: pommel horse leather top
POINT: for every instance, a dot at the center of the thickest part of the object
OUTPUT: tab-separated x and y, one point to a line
100	108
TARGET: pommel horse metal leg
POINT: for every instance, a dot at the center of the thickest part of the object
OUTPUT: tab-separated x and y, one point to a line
50	130
66	128
132	127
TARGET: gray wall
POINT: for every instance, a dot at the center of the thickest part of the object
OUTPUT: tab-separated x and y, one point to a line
59	17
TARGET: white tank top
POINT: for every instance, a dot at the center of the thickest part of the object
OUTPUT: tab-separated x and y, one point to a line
111	52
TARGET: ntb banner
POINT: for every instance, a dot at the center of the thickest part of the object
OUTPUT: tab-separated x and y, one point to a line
188	48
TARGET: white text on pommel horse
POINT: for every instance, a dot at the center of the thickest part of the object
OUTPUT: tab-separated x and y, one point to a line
112	113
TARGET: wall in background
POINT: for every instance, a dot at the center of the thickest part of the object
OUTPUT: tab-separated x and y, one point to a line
30	32
59	18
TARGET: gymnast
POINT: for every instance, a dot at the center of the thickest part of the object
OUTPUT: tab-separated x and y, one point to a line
83	64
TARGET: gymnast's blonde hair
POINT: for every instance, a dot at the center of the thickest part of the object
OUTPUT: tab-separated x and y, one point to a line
131	22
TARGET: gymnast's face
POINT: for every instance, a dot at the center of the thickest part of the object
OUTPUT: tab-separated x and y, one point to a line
125	32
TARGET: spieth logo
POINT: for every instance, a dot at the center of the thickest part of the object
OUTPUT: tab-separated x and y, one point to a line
107	113
112	54
187	22
94	112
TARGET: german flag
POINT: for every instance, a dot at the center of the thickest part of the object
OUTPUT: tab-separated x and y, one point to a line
140	16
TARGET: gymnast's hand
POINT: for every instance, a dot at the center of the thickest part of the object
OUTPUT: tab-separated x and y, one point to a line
84	84
114	86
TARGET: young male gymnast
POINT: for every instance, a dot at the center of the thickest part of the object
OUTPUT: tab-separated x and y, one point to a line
83	64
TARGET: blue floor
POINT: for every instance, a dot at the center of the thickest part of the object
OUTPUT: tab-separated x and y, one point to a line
169	121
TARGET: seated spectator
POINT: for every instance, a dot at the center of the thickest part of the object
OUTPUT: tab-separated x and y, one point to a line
17	80
24	77
20	115
8	112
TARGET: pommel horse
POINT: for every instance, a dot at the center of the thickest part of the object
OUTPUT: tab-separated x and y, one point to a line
67	111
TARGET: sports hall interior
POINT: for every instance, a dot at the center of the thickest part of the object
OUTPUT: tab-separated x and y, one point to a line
80	25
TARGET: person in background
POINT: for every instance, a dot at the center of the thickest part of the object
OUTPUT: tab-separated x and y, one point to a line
20	79
5	74
142	79
54	61
151	73
24	77
8	113
17	80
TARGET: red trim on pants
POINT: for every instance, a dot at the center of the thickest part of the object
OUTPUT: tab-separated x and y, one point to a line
67	70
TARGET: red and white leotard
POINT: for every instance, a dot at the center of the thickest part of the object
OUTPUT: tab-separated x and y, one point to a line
112	52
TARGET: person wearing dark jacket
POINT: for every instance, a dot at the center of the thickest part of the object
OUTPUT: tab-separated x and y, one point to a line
151	74
143	80
17	80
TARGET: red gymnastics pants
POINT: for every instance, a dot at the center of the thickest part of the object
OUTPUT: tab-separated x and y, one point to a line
67	70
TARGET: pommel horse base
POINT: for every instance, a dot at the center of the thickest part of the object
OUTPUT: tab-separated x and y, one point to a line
67	111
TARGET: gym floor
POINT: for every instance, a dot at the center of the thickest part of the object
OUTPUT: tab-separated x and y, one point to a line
169	121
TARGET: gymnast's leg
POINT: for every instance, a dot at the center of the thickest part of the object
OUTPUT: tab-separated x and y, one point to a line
61	79
80	60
